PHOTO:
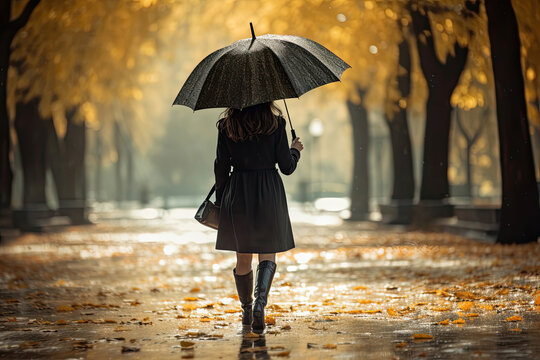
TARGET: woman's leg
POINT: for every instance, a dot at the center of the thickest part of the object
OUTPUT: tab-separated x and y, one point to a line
265	274
243	263
271	257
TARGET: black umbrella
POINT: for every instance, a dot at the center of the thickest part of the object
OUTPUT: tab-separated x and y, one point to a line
259	70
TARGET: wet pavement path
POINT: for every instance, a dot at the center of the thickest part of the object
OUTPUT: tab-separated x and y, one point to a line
146	284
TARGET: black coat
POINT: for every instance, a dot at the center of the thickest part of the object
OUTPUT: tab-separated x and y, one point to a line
254	217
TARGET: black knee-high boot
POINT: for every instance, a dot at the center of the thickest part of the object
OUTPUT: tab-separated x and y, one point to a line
244	287
263	282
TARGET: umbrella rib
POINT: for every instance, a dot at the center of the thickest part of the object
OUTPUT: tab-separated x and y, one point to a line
284	68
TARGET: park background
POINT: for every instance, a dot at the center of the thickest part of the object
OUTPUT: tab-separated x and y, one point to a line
433	130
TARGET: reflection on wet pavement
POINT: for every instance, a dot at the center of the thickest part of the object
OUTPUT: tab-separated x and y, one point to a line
149	284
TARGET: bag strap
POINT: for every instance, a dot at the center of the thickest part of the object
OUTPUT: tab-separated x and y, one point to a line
211	192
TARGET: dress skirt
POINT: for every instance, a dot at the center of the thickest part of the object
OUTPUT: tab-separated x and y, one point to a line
254	217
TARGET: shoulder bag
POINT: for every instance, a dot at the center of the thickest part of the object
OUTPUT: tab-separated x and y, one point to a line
208	212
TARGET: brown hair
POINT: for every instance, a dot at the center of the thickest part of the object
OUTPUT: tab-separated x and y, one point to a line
250	122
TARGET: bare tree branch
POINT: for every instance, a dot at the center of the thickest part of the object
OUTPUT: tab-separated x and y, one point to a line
19	22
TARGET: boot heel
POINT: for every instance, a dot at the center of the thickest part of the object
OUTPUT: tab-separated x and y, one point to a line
258	321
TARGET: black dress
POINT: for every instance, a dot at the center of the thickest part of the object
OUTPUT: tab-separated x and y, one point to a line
254	217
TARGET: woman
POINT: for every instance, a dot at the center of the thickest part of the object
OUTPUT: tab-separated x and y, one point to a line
254	217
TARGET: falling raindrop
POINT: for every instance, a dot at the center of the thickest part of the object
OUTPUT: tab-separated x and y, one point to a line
373	49
341	18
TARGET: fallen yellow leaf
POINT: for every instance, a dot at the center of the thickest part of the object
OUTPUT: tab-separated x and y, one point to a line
401	344
392	312
514	318
28	344
362	301
359	288
251	334
84	321
186	344
458	321
466	305
442	293
473	315
372	311
441	309
64	308
444	322
270	320
195	333
422	336
465	295
190	298
329	346
189	307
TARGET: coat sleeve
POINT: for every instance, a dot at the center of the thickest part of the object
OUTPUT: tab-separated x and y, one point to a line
222	166
287	158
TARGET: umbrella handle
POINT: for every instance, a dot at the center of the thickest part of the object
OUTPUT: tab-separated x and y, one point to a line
293	133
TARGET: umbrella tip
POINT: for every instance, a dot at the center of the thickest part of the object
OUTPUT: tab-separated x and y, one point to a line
252	31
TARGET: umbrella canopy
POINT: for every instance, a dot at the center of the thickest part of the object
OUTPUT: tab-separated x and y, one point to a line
258	70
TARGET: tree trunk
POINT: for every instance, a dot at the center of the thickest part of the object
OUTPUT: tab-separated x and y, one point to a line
129	168
75	146
403	188
470	140
119	160
69	171
30	129
441	78
360	181
520	211
6	179
99	157
8	29
468	151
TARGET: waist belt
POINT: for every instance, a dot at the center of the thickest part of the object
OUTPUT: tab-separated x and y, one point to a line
253	170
